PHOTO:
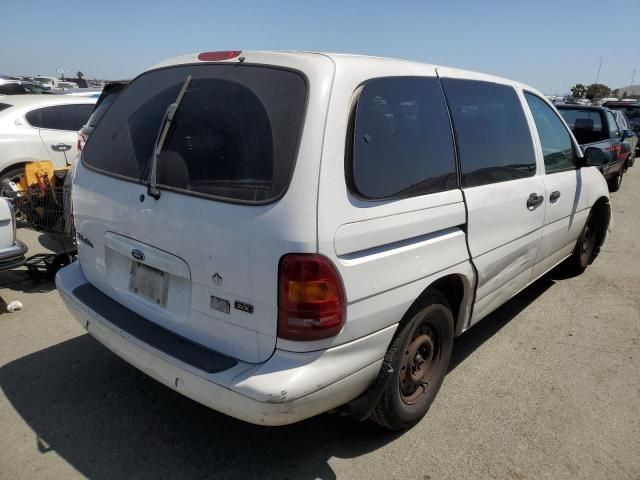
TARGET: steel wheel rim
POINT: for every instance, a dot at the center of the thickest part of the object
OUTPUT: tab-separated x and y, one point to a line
419	359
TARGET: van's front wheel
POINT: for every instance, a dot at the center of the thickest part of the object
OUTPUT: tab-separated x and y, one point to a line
419	356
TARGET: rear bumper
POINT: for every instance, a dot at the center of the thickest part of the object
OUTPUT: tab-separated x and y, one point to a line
13	256
287	388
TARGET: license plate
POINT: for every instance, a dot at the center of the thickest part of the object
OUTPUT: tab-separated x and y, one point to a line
149	283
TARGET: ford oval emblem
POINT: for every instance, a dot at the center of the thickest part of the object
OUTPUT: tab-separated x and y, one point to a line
137	254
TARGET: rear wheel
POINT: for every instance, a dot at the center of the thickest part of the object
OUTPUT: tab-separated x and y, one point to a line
419	356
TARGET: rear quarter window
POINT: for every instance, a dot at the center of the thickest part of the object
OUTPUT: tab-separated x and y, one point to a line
402	141
60	117
234	136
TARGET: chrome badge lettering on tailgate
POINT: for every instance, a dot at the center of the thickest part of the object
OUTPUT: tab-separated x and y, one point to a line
244	307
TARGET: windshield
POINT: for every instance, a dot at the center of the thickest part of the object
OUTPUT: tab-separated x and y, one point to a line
234	135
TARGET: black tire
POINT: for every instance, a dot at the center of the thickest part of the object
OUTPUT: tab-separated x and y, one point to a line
615	182
419	356
586	247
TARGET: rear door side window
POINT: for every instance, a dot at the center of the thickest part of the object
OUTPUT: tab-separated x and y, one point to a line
402	140
60	117
622	120
614	132
493	136
557	146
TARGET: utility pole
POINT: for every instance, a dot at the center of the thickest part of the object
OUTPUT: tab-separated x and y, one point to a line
633	77
599	67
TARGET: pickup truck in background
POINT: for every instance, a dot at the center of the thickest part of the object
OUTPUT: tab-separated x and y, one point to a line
596	127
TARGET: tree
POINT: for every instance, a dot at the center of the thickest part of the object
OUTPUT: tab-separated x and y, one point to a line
615	92
597	90
578	90
79	74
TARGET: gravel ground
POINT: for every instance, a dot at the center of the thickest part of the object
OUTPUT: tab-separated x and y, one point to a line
546	387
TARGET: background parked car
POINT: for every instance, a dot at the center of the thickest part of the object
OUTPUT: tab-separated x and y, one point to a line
632	141
19	87
48	82
39	127
631	110
596	127
12	250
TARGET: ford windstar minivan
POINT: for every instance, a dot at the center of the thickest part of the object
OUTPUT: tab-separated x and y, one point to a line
280	234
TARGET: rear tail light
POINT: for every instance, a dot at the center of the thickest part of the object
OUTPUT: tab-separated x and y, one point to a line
311	300
217	56
81	141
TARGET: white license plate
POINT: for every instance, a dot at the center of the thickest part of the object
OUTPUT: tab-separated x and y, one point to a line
149	283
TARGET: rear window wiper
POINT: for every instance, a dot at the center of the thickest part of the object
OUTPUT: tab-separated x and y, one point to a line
167	120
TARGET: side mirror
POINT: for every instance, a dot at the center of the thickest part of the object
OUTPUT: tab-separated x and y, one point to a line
626	134
594	157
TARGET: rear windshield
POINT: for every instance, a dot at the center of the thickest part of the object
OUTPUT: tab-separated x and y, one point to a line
585	124
234	134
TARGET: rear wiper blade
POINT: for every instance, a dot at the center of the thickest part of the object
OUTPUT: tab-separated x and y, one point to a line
152	190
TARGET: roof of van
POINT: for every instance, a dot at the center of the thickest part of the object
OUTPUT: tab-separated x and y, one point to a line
254	56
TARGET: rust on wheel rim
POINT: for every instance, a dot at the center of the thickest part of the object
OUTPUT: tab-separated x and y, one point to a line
418	360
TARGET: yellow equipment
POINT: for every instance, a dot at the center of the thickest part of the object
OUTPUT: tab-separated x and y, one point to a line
41	173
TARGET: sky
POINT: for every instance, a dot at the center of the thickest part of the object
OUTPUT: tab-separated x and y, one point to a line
549	44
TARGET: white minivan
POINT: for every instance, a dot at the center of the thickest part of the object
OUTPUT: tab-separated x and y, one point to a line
280	234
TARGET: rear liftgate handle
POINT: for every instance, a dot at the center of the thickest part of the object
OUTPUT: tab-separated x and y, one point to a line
534	201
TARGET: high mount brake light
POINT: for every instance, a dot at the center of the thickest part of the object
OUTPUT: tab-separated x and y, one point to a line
217	56
311	300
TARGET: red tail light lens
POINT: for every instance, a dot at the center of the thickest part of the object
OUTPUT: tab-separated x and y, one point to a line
217	56
311	300
81	141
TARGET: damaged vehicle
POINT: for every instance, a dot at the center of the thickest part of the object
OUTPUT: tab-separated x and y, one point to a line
280	234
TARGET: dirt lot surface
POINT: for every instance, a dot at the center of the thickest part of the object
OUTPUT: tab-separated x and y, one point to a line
546	387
